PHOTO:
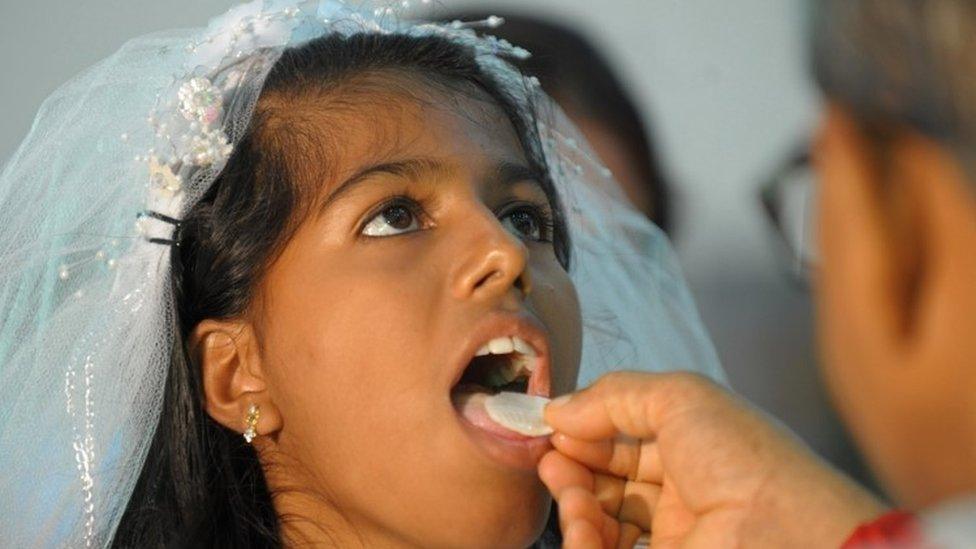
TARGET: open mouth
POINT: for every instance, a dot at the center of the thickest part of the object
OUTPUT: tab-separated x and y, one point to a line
516	361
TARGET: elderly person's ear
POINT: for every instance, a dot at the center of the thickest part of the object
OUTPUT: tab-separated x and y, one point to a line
897	297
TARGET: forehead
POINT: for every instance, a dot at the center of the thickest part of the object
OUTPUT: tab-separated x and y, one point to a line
386	117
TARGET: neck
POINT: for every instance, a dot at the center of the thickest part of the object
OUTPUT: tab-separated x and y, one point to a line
307	514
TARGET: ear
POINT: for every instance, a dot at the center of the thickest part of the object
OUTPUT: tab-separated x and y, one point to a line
233	375
932	215
904	228
857	276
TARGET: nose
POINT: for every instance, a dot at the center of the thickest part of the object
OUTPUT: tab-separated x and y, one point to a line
492	262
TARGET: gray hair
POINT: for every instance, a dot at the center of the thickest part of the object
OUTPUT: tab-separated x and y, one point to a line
910	62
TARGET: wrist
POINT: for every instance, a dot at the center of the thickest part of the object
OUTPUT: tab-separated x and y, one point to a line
841	506
813	505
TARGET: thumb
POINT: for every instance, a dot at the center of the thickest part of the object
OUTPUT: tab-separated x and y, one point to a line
635	404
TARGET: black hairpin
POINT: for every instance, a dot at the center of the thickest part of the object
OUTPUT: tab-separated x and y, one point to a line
176	223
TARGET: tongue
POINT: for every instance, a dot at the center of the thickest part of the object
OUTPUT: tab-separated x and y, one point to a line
471	406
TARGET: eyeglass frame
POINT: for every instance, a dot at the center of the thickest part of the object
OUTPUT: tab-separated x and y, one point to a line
801	265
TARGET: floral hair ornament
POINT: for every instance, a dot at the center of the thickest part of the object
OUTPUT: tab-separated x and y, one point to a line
89	317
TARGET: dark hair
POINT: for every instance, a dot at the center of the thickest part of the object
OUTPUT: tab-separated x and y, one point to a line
905	63
201	485
584	82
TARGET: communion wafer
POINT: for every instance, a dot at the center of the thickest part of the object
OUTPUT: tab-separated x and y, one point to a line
519	412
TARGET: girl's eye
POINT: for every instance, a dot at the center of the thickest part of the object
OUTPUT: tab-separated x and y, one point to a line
392	220
524	223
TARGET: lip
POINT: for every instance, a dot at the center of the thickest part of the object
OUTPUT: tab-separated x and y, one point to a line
508	325
513	451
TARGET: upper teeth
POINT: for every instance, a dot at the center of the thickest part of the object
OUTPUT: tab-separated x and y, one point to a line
505	345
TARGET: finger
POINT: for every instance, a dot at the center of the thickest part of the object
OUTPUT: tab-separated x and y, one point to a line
617	498
626	501
629	534
609	492
673	520
639	504
559	472
624	457
635	404
581	535
579	505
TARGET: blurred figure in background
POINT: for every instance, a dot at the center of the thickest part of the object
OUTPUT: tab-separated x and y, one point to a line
585	85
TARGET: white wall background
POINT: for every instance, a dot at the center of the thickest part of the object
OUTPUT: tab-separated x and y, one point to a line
722	82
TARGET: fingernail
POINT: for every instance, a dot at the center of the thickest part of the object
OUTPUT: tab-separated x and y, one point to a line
560	401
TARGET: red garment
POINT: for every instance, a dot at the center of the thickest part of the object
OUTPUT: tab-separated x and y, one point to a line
894	529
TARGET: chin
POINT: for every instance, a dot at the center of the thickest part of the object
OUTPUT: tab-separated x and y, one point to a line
513	520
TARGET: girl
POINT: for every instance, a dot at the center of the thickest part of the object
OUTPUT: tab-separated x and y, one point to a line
350	230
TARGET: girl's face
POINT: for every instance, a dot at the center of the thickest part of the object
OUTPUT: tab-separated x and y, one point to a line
429	239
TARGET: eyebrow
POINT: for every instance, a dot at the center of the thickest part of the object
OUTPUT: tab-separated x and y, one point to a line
508	173
503	173
412	168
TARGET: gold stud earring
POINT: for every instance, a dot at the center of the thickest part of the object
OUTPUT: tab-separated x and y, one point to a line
251	422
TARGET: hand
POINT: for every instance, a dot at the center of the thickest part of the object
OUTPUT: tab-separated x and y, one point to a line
679	457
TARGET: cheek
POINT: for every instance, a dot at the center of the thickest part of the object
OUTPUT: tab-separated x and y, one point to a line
555	301
346	345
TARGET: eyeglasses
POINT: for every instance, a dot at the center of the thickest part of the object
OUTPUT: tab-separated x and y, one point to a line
789	201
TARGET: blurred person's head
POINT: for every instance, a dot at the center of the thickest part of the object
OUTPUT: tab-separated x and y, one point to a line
583	82
897	284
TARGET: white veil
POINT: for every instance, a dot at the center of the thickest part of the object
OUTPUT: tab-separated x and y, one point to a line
87	321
